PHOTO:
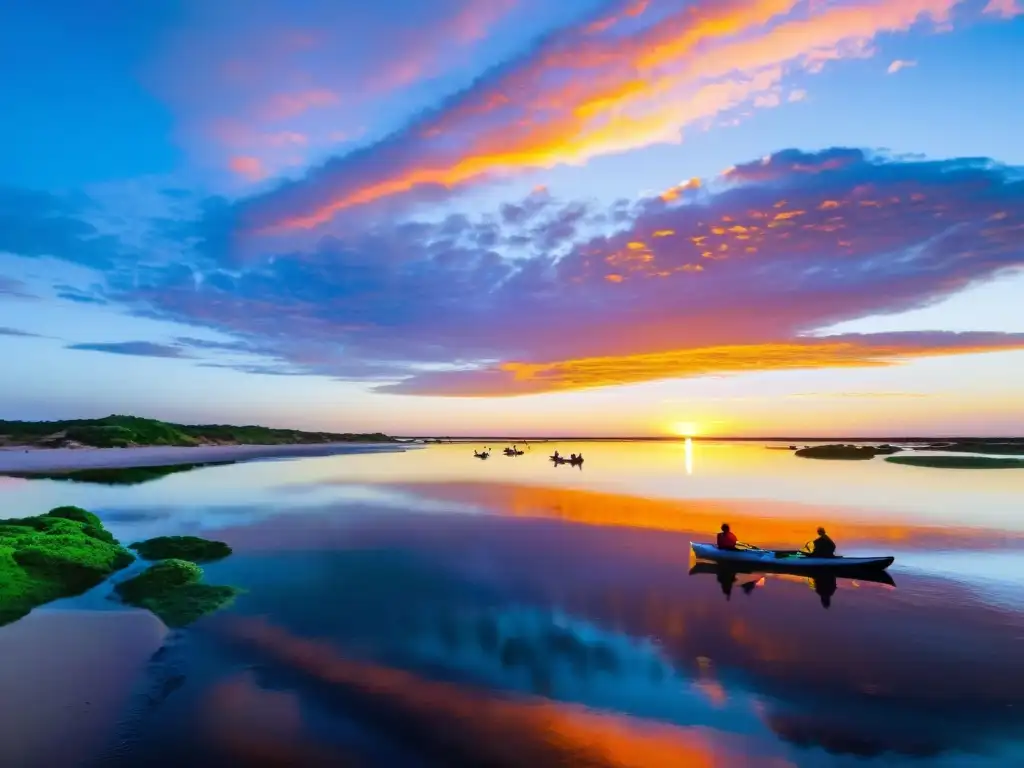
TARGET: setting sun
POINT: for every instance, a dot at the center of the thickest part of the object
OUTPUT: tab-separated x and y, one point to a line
684	429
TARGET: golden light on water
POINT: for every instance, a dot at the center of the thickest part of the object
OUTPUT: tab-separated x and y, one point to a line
688	447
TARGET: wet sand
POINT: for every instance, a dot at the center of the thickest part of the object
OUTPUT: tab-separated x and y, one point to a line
64	679
69	459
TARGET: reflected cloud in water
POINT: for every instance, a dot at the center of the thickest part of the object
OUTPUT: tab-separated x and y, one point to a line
458	725
607	617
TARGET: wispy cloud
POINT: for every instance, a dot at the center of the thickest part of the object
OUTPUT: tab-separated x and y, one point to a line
132	348
275	84
899	64
5	331
860	395
14	288
630	80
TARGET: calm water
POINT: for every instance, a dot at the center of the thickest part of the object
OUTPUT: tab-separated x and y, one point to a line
428	609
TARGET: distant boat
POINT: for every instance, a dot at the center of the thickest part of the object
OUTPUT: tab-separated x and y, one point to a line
513	452
482	454
576	462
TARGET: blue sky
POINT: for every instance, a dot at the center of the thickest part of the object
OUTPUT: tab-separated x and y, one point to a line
465	216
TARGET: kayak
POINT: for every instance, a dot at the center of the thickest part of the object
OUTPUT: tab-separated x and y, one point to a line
788	560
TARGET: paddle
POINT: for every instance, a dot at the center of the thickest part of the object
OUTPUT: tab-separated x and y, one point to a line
784	552
748	547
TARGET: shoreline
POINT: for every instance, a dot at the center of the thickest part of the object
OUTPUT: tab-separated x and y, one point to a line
22	460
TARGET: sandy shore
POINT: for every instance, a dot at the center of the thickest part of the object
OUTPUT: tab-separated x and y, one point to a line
67	459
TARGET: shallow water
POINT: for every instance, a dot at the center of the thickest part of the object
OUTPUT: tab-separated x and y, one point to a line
427	608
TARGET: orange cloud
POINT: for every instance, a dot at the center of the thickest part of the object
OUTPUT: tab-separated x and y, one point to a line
518	378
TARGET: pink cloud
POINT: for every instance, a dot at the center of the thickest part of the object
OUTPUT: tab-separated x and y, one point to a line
1007	9
315	69
283	106
248	167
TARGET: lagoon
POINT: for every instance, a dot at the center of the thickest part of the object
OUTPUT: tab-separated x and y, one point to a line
422	607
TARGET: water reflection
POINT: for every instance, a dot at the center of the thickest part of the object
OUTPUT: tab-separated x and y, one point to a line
117	475
824	584
506	621
457	725
606	618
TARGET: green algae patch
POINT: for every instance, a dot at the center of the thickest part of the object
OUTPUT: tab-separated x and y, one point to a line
172	590
958	462
63	553
190	548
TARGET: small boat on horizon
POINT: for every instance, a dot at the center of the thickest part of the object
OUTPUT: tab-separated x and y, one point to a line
576	461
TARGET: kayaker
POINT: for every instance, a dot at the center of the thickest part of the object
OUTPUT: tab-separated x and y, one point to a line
555	455
726	539
823	546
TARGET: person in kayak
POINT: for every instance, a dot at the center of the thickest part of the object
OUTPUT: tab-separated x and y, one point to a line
823	546
726	539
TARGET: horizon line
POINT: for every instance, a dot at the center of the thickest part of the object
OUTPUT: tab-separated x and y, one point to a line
731	438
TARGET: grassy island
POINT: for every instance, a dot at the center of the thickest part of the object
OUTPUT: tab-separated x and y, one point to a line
130	431
172	590
958	462
845	451
60	554
191	548
997	446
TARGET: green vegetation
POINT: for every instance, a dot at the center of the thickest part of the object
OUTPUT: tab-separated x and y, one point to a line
127	431
60	554
117	475
846	452
172	590
1001	447
958	462
191	548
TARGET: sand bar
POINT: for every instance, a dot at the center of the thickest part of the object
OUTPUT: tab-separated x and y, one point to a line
68	459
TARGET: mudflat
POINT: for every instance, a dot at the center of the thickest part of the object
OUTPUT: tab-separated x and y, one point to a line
18	460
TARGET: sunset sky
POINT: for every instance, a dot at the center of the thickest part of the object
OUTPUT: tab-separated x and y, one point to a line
589	217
